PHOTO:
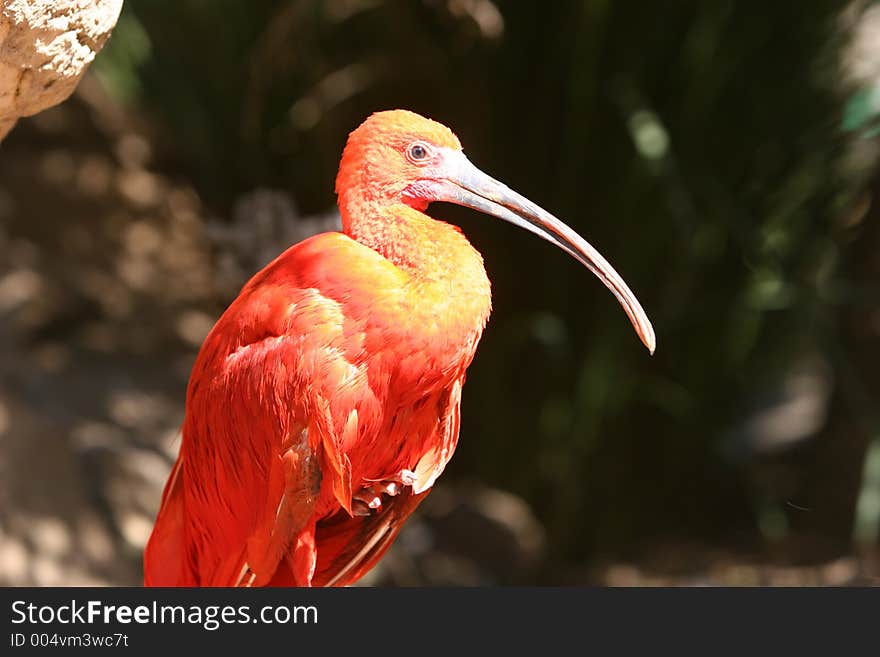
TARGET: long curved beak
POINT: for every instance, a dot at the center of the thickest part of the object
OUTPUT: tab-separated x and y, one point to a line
456	180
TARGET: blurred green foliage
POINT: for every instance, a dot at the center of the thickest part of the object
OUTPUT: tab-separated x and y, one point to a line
706	148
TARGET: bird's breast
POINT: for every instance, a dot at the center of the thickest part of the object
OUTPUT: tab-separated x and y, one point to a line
440	318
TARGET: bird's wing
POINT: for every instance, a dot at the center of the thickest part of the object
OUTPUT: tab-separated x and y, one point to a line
260	444
248	474
163	565
350	546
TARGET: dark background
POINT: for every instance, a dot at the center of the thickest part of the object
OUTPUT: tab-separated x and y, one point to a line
720	154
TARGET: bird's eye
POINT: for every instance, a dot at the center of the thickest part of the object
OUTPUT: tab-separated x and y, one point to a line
418	152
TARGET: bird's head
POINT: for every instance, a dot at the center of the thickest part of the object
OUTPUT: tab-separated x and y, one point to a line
398	156
391	152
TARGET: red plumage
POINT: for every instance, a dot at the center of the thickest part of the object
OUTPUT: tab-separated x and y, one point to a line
325	401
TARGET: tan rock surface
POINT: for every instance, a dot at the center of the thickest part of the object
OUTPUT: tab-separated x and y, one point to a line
45	47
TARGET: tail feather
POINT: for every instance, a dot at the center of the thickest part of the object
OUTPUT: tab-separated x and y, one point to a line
348	547
165	562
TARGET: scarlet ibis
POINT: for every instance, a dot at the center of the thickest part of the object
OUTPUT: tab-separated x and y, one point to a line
324	403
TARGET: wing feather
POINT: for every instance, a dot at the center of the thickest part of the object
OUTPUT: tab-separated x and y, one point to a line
261	492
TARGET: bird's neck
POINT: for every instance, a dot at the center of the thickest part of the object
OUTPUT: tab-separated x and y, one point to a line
409	238
445	271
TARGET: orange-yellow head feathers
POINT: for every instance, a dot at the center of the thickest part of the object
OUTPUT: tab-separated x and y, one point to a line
385	155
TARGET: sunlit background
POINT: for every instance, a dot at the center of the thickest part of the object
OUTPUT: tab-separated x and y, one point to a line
721	154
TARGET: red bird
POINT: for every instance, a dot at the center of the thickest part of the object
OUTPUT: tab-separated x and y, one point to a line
325	401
